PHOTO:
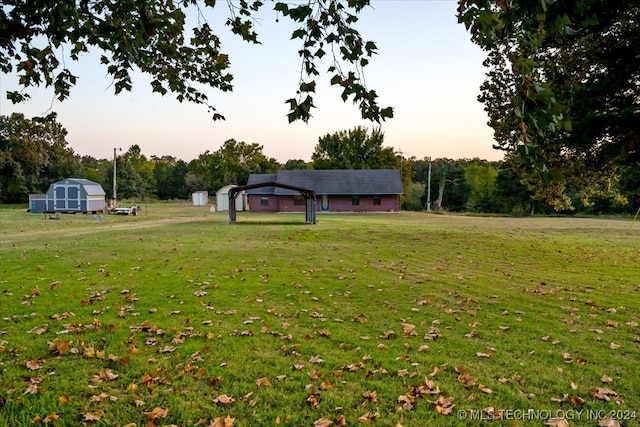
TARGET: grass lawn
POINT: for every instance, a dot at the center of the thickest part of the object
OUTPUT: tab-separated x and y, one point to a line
175	317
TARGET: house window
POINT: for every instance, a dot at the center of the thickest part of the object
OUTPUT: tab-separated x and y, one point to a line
264	200
355	201
376	201
298	200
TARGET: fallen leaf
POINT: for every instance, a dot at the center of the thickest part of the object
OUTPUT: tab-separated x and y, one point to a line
606	379
603	393
408	330
263	382
93	416
608	422
33	365
156	414
322	422
484	389
224	399
51	417
557	422
444	405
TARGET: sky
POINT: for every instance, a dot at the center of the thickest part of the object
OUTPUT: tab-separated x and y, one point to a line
426	68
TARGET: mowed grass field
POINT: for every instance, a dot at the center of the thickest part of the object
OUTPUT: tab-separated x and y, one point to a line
175	317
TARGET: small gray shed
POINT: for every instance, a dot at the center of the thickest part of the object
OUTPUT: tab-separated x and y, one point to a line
70	195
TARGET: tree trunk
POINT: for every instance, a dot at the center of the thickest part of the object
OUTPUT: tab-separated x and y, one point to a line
438	203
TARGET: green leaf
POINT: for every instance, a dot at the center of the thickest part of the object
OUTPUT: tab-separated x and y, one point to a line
281	7
298	34
336	80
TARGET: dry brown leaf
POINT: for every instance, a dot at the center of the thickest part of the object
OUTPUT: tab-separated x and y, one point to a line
325	385
224	399
33	365
157	413
263	382
322	422
444	405
603	393
387	335
467	380
370	395
313	400
51	417
483	389
408	330
403	372
93	416
577	401
369	417
60	346
606	379
557	422
316	360
608	422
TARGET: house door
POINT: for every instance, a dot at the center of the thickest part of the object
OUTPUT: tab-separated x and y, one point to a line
325	203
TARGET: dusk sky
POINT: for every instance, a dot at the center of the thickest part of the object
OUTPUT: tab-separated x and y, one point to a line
426	68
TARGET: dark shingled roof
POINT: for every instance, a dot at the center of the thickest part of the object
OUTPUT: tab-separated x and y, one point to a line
256	178
334	182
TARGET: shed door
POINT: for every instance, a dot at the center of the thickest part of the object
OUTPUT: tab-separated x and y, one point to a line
67	197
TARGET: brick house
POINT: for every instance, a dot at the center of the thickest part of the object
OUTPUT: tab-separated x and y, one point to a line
357	190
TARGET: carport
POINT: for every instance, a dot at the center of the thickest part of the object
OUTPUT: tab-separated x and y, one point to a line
309	196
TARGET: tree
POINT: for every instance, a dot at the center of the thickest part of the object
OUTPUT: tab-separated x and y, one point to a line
481	177
33	154
40	39
449	174
232	164
296	164
170	178
354	149
558	91
143	168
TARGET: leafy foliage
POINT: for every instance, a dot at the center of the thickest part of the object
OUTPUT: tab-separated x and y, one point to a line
33	153
232	163
40	39
354	149
557	92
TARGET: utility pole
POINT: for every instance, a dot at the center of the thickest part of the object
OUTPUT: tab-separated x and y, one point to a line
429	187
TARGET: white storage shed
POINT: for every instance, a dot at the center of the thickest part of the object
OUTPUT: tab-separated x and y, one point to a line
200	198
222	199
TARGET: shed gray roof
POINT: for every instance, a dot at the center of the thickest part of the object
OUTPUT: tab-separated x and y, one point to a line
335	182
92	188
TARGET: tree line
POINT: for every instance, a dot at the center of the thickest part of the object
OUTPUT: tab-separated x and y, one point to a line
34	153
561	88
